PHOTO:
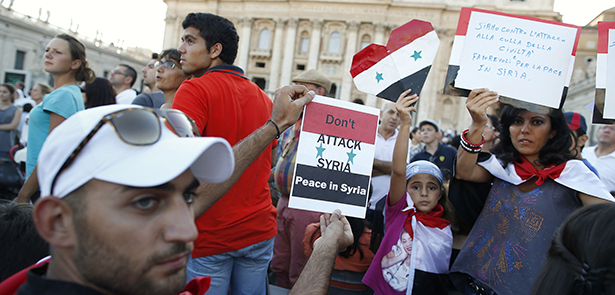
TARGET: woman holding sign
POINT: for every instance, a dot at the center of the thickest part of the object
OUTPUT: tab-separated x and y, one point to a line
536	184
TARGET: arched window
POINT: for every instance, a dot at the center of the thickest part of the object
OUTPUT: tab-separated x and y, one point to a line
365	40
305	43
264	38
335	40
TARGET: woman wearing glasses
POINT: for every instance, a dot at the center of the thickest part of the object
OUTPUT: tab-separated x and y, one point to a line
65	60
169	75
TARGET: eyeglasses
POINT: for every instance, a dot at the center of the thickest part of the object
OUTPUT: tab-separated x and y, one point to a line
490	127
167	64
137	127
116	72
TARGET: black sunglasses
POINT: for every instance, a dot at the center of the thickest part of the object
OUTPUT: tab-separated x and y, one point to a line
138	126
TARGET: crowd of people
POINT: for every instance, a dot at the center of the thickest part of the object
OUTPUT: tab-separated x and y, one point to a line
185	188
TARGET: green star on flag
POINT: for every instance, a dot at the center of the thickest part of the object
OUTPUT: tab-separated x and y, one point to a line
379	77
351	155
320	150
416	55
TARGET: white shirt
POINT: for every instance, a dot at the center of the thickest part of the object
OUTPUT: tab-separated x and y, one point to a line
384	152
604	164
126	96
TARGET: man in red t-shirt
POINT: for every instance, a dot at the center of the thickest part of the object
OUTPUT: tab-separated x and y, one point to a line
235	241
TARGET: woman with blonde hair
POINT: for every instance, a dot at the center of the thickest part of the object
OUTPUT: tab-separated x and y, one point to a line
65	60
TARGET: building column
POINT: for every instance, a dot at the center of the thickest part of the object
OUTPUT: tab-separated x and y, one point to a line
372	100
274	74
244	42
289	51
351	49
314	44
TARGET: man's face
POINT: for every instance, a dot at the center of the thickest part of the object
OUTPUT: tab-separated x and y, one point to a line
118	76
317	89
428	133
606	134
149	74
390	117
195	57
136	240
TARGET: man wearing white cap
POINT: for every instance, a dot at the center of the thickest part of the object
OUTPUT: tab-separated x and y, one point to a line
120	223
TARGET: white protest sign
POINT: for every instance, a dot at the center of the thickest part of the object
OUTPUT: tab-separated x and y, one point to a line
604	100
524	58
335	156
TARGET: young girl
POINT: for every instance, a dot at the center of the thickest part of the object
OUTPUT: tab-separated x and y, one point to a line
415	251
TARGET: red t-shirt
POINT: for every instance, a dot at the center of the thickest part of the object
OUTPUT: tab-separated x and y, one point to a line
224	103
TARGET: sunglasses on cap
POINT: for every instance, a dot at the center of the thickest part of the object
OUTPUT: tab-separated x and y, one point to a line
137	126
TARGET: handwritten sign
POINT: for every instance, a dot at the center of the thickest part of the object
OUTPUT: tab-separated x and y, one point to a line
604	105
335	155
523	58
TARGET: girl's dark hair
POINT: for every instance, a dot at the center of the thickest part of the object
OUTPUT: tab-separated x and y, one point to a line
581	259
495	121
556	150
10	87
98	93
77	51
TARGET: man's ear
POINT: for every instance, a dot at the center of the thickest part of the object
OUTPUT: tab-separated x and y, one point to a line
53	219
215	51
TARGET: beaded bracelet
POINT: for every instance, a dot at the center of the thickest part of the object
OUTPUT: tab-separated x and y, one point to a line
474	145
470	149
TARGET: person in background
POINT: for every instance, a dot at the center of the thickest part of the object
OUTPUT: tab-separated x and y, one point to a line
435	151
22	246
21	97
65	60
416	145
153	97
578	131
37	93
169	75
122	79
99	93
581	258
602	155
9	120
491	132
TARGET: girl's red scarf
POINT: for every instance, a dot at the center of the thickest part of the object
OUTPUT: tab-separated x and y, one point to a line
429	219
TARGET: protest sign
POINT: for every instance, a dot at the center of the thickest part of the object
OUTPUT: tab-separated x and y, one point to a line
526	59
604	101
403	64
335	155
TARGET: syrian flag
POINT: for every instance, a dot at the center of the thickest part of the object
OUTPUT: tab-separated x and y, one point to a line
335	155
574	175
604	105
403	64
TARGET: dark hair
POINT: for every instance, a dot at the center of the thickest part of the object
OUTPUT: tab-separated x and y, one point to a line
155	55
10	87
98	93
215	29
358	227
414	131
77	51
495	121
556	150
130	72
581	259
21	244
171	54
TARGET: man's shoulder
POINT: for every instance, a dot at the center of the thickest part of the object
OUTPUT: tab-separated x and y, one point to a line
446	148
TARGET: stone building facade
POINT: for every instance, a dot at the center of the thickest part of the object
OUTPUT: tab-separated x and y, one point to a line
22	44
280	39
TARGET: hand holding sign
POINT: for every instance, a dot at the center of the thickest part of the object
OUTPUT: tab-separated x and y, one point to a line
405	106
403	64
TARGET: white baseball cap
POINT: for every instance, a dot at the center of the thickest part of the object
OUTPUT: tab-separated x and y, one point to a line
106	157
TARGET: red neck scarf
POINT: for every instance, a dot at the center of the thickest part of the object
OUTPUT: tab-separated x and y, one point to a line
429	219
526	170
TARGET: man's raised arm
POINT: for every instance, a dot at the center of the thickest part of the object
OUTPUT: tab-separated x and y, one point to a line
288	104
